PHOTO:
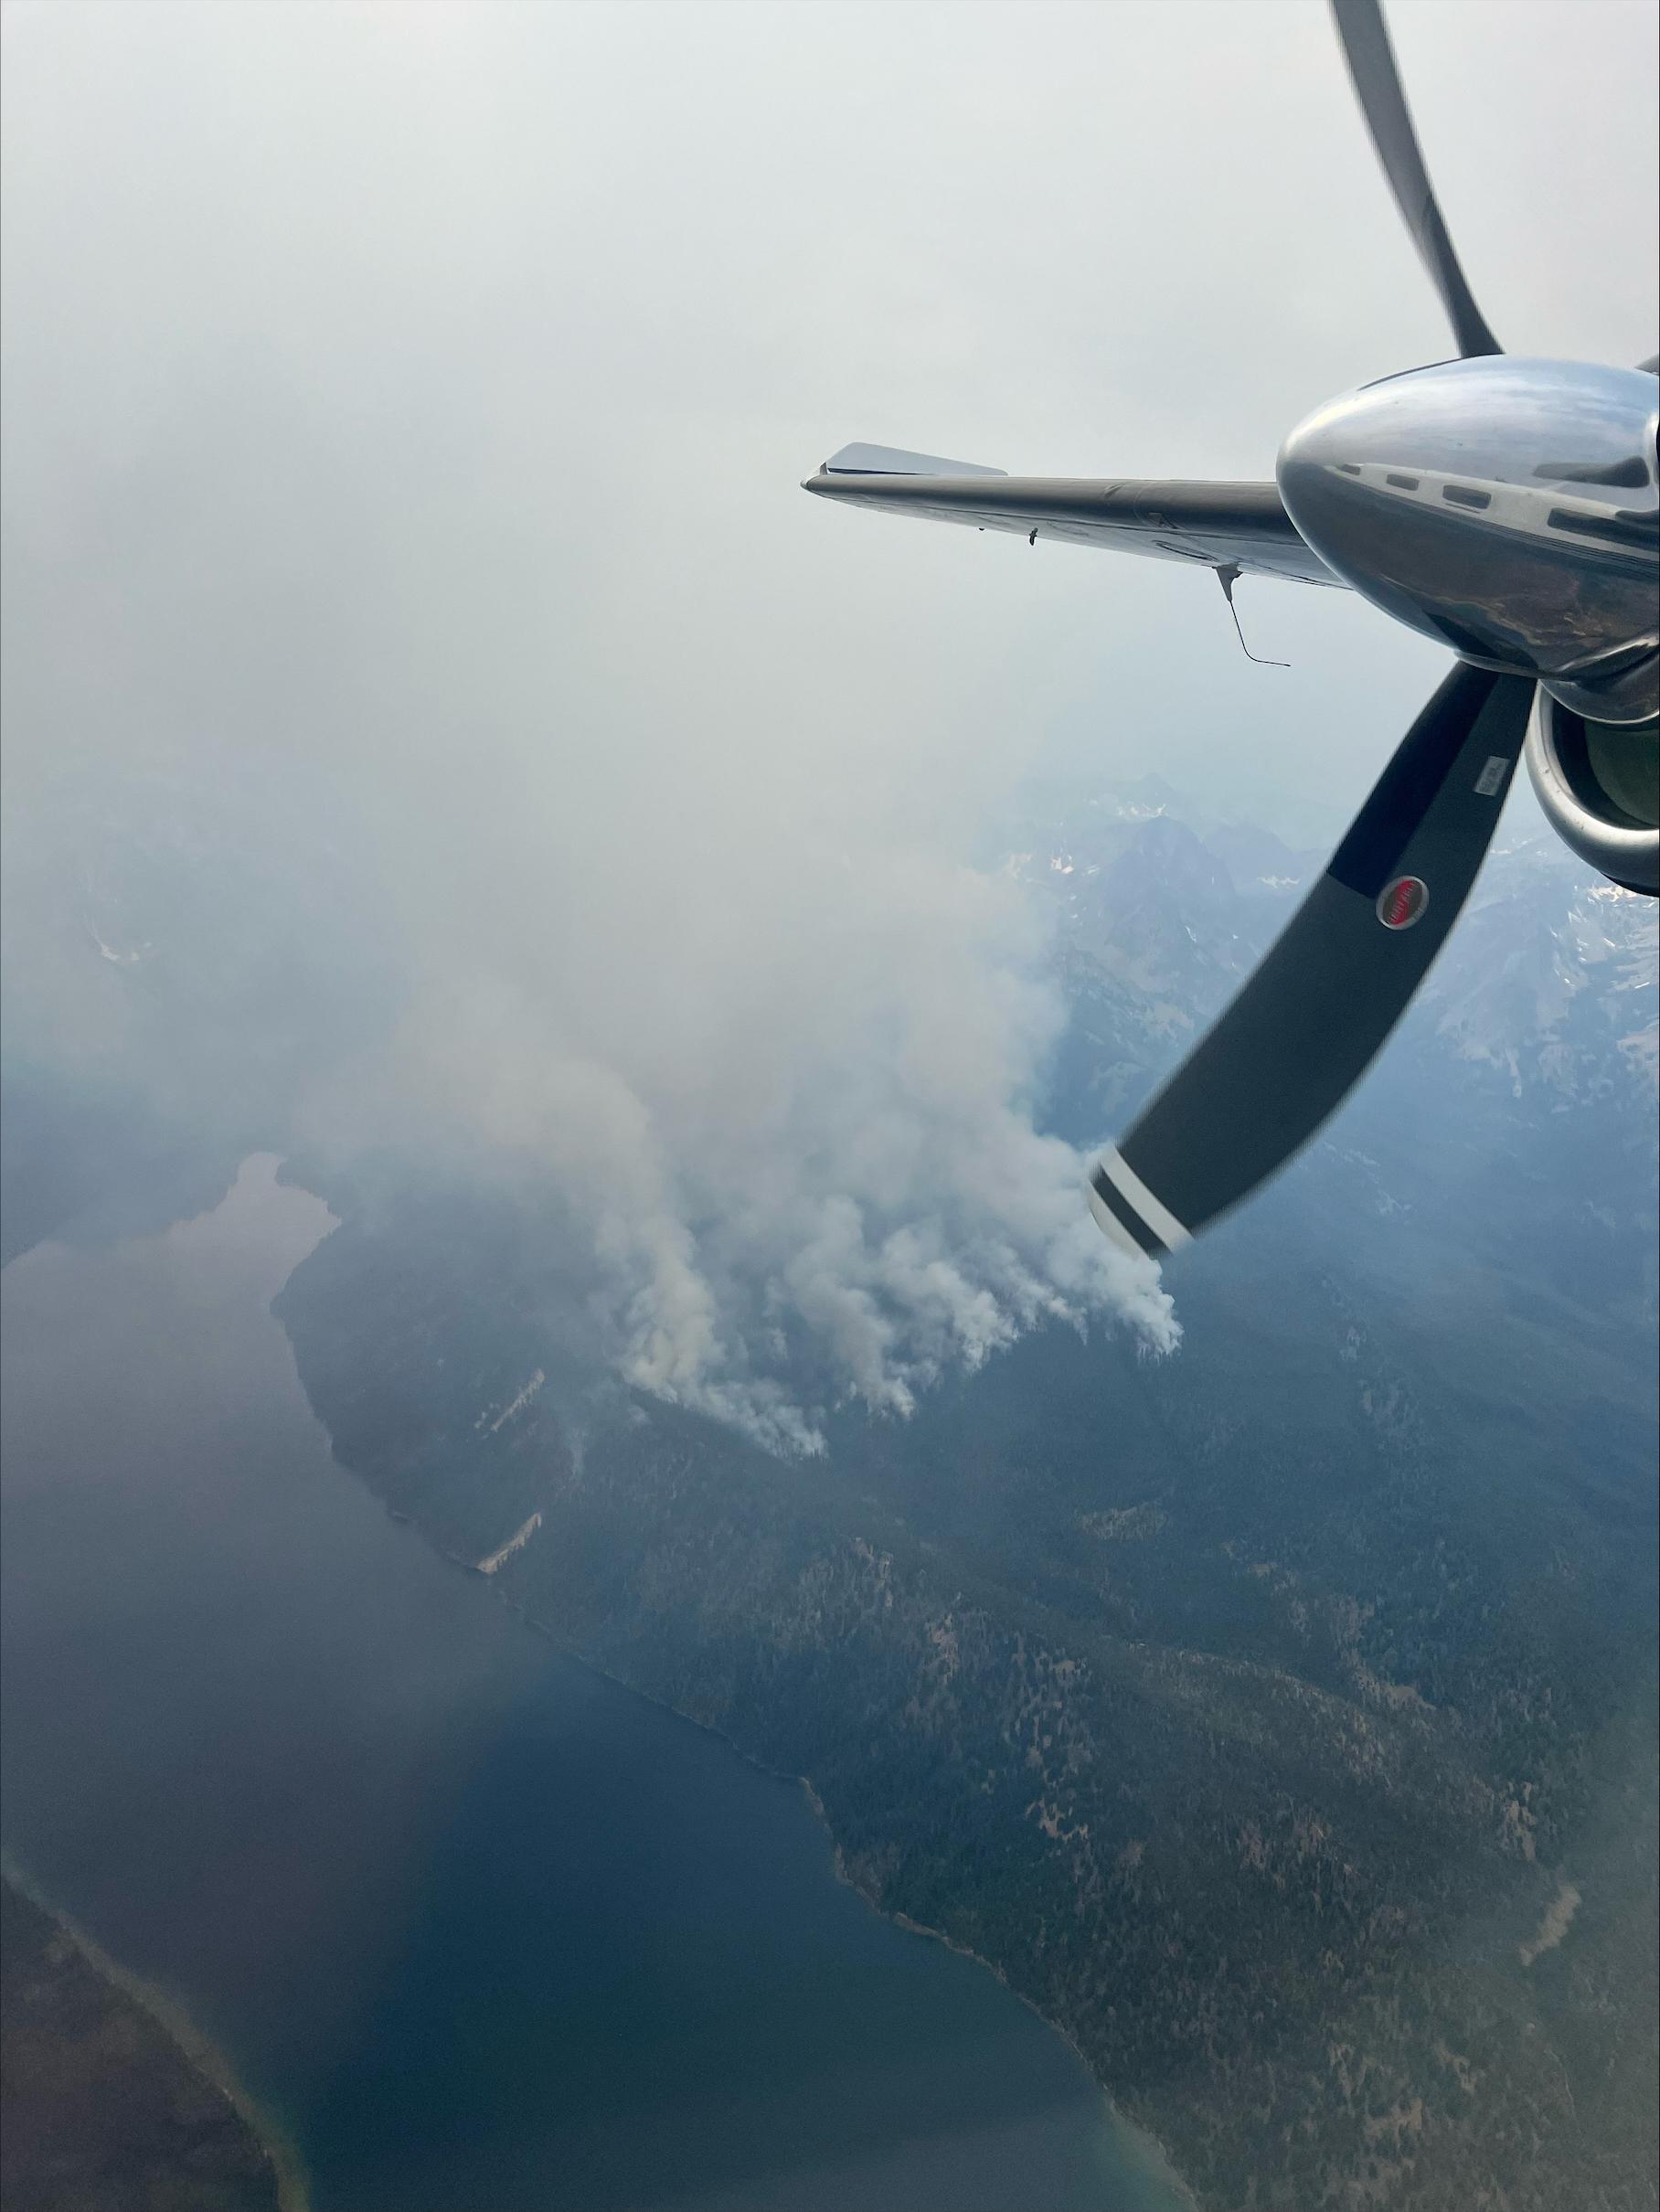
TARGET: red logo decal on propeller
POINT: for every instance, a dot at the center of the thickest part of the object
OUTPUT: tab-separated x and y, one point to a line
1402	902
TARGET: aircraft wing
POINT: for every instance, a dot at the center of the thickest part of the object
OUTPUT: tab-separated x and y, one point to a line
1209	524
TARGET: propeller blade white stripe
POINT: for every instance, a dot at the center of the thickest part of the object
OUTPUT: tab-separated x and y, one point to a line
1140	1200
1110	1226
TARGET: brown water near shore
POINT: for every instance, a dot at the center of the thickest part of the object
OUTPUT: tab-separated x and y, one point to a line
477	1927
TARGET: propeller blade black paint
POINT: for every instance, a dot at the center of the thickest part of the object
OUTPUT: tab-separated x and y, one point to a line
1311	1019
1371	64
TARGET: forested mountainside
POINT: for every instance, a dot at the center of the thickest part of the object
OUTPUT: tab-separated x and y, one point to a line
1277	1716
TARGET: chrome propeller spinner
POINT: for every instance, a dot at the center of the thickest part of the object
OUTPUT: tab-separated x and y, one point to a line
1507	508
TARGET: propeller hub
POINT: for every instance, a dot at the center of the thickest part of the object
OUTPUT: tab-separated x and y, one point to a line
1505	507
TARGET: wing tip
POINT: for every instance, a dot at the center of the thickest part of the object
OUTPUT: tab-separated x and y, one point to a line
862	460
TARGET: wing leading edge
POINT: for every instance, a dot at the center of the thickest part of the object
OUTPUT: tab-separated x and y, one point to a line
1206	524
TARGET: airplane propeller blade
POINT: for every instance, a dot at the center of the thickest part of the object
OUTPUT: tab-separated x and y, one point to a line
1307	1025
1371	64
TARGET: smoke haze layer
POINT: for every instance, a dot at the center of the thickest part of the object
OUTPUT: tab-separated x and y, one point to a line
437	724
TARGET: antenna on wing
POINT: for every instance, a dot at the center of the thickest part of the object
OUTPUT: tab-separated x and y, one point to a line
1228	574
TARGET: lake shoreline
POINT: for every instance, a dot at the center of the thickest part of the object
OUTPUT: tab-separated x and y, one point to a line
200	2052
1163	2161
1156	2156
252	1498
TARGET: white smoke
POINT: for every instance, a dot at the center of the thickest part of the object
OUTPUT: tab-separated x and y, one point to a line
399	469
825	1167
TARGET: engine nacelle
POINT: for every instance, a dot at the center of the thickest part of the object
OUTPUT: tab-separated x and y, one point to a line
1599	783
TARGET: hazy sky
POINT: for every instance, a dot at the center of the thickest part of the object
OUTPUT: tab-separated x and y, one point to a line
419	395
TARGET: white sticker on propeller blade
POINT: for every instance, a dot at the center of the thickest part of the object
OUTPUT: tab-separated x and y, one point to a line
1492	776
1402	902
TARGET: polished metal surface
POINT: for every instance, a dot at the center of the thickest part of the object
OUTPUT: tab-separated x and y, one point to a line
1600	788
859	460
1505	507
1241	526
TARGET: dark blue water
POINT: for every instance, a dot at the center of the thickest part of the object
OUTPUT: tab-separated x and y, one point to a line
486	1933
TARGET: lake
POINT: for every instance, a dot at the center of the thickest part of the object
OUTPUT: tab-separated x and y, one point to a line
483	1931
